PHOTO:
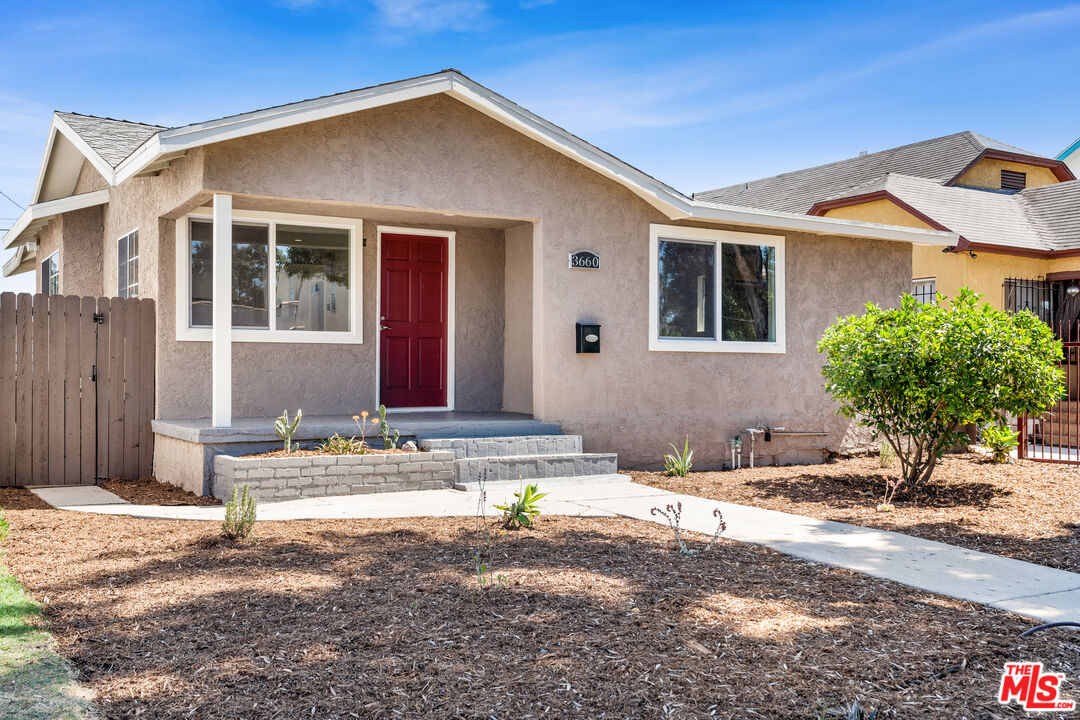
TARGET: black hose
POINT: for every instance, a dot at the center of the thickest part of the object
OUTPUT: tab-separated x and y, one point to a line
1047	626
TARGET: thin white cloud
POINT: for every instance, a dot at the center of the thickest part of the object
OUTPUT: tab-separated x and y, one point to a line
428	16
533	4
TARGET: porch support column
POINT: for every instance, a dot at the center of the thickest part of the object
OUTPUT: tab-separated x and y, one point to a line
222	313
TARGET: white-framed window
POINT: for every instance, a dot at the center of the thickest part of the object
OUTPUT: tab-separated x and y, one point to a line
50	274
924	290
295	278
715	290
127	265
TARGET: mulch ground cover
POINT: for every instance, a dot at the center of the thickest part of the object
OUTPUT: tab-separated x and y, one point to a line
148	491
1026	510
586	618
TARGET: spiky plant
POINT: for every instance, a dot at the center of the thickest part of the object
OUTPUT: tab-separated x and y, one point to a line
239	515
285	428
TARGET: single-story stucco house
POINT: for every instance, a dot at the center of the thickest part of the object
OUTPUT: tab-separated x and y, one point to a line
431	245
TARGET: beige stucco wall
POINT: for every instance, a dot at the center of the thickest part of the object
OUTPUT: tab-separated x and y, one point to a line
517	353
987	174
517	300
77	235
438	154
879	211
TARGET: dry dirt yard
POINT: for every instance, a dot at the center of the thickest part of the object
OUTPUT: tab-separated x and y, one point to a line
597	618
1025	510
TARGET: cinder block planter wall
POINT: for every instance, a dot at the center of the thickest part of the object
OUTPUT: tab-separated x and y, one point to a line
275	479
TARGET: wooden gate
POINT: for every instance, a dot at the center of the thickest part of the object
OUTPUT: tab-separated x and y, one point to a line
77	387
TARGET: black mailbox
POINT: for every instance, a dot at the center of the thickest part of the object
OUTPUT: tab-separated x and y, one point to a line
588	338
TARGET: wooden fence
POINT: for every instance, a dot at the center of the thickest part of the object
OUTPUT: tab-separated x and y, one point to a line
77	389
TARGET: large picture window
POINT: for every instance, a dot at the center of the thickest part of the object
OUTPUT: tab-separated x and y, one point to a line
715	291
292	279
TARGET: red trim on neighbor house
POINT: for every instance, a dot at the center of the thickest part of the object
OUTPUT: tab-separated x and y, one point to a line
1061	170
1064	275
826	205
964	246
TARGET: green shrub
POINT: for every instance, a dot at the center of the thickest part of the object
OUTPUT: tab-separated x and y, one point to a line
285	428
523	509
918	373
239	515
338	445
5	527
679	463
1000	440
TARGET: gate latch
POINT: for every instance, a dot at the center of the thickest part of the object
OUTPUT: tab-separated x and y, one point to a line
93	373
99	318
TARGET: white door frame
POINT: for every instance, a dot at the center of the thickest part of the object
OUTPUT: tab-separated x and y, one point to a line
451	298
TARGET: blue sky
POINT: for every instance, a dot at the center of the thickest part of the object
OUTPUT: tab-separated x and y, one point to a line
697	94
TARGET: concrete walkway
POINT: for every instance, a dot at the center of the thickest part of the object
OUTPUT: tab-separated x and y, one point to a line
1025	588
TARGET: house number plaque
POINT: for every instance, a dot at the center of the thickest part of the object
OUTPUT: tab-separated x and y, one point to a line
584	260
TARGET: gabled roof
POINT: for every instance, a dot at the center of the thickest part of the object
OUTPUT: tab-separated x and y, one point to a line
111	139
1037	220
139	149
941	159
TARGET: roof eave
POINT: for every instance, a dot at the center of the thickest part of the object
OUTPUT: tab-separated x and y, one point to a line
34	217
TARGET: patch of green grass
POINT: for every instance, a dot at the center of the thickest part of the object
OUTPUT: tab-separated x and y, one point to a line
34	681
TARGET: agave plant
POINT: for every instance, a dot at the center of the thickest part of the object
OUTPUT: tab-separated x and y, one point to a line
523	509
285	428
679	463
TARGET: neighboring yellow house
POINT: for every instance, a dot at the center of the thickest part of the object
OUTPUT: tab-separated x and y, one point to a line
1017	214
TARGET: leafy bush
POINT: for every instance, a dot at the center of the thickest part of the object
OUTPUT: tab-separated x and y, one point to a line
239	515
523	509
679	463
390	436
1000	440
285	428
920	372
338	445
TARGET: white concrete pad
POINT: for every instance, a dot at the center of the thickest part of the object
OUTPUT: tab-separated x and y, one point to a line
76	497
1034	590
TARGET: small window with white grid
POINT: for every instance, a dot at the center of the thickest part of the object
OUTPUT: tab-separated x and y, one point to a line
127	265
924	289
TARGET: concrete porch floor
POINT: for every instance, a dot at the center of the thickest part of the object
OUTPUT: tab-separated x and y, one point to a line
411	425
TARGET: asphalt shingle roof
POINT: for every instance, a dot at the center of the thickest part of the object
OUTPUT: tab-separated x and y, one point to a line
938	159
112	139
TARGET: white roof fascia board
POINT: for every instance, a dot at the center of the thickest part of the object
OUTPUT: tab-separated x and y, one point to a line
14	261
33	216
823	225
44	162
671	202
88	152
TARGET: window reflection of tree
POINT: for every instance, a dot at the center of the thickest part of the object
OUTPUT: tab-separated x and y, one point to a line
687	302
747	294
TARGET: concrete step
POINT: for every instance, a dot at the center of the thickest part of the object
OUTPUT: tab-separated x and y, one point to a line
510	486
529	467
423	429
475	447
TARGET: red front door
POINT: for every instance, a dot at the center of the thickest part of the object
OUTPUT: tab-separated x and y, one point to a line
414	328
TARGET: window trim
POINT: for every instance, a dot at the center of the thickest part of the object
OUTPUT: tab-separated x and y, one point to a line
677	233
125	236
354	336
918	280
45	280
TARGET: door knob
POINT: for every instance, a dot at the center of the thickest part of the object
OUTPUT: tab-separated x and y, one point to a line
384	327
